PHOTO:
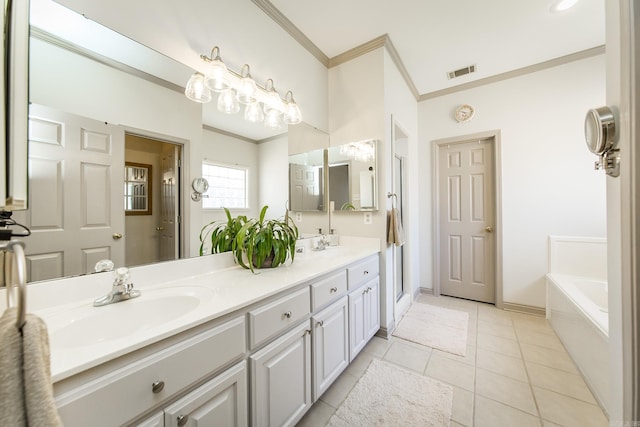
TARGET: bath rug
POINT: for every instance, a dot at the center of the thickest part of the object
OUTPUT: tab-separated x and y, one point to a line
387	395
435	327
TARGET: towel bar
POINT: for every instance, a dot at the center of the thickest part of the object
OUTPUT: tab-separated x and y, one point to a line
17	271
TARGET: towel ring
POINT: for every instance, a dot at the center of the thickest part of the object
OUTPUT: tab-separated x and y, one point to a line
17	271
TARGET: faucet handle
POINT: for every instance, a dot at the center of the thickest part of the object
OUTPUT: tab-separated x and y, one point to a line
103	265
121	275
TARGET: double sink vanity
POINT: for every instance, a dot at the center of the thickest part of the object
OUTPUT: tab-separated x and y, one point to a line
207	342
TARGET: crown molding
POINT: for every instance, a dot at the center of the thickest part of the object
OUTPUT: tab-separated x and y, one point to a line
357	51
278	17
577	56
395	56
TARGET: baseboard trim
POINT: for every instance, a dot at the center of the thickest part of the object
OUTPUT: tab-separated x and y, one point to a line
523	308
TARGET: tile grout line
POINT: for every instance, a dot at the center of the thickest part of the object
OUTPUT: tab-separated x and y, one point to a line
526	370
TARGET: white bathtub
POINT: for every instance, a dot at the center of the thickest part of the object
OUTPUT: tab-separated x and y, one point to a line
577	309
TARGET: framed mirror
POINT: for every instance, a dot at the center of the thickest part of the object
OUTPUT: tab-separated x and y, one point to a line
353	181
137	189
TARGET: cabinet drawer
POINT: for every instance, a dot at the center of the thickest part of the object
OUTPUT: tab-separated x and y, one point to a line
268	320
126	392
363	271
328	289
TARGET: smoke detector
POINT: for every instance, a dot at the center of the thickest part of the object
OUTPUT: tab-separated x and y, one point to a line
461	71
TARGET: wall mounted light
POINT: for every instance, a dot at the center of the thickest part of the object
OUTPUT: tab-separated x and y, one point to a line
262	104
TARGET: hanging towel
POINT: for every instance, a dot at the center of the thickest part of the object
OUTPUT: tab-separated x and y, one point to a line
396	233
26	392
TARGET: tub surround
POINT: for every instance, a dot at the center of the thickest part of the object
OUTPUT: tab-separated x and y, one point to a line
223	286
577	307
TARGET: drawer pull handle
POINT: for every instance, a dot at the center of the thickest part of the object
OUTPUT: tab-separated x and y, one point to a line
320	323
157	386
182	420
333	290
287	314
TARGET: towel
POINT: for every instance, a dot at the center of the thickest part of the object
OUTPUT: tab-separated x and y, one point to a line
26	392
396	233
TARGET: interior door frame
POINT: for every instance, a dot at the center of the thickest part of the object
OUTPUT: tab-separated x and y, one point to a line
183	211
494	135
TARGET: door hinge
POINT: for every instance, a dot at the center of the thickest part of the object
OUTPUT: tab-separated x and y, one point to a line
179	163
179	219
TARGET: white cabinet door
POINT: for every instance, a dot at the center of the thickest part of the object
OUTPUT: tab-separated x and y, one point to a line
281	379
220	402
357	327
372	307
330	345
364	315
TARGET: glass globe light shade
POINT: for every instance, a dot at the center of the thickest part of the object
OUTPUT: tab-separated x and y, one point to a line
196	89
292	115
217	74
253	113
272	120
272	101
247	89
227	102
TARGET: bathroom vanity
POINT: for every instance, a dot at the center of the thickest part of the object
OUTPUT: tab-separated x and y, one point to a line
212	343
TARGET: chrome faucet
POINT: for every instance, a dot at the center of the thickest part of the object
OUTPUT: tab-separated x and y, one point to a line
322	243
122	286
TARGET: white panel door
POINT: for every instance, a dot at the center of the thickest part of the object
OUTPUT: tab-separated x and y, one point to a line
76	207
467	213
169	228
304	187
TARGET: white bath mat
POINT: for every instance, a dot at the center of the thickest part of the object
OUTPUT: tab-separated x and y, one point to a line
435	327
387	395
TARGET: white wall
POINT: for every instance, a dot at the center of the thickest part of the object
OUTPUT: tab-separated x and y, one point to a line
548	182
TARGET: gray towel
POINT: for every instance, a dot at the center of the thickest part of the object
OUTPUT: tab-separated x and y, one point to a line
26	392
396	233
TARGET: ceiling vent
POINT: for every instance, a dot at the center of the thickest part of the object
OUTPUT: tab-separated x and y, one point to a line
461	72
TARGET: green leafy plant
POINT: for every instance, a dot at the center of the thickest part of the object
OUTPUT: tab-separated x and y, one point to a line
265	243
221	235
255	243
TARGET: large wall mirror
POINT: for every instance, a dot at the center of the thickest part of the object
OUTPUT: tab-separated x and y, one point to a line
353	177
115	86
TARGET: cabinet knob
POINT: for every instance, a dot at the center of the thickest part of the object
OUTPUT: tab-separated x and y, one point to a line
287	314
320	323
368	290
366	272
157	386
333	290
182	420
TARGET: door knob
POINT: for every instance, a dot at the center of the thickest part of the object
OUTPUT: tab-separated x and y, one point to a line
117	236
159	228
488	229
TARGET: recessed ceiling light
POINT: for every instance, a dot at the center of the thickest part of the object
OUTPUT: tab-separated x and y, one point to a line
561	5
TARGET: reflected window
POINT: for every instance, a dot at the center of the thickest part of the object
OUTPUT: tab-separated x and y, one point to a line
227	186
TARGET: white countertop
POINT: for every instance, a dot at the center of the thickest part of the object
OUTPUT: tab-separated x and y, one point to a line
83	336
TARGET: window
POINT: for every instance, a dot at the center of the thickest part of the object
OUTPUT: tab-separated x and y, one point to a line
227	186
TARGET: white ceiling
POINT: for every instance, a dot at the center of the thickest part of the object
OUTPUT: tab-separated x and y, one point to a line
433	37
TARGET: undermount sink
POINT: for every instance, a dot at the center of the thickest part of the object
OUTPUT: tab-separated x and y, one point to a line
87	325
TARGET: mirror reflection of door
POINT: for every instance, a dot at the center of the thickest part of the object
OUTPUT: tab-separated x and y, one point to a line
75	213
155	236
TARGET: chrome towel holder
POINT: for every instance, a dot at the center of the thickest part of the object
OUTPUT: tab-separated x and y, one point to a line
15	277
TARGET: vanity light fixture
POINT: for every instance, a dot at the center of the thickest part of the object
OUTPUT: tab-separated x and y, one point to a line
262	104
362	151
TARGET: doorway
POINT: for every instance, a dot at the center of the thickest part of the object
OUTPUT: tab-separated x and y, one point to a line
155	234
466	212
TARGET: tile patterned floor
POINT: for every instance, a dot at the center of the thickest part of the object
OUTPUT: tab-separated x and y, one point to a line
515	373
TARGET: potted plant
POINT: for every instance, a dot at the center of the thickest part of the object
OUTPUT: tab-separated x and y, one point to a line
256	243
221	235
265	243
